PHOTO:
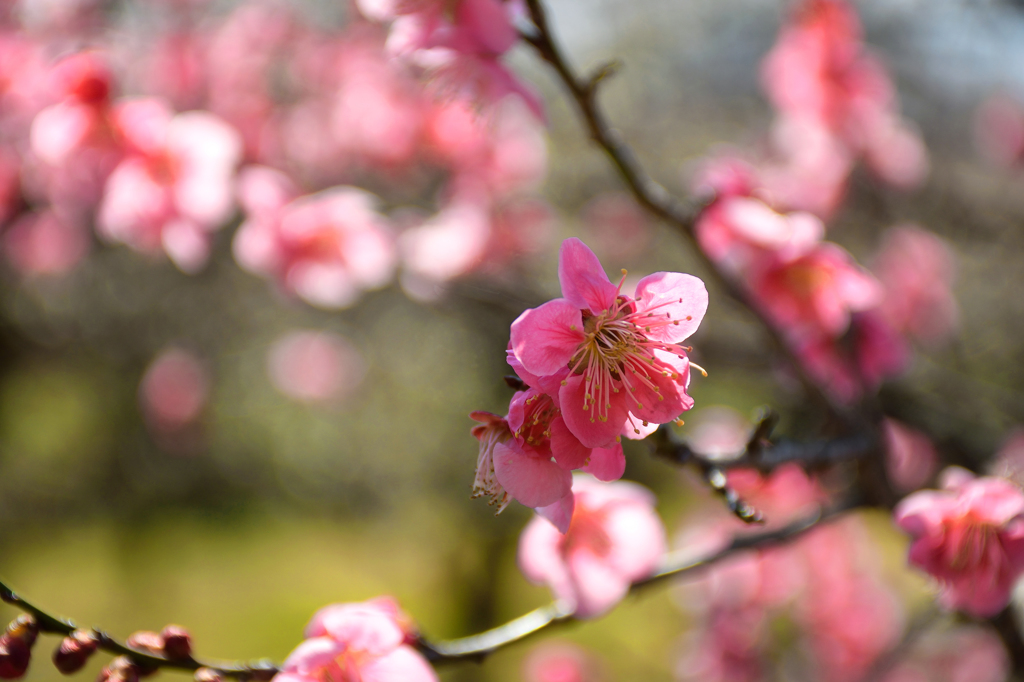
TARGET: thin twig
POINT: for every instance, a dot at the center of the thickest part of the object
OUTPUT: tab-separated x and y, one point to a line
260	670
674	565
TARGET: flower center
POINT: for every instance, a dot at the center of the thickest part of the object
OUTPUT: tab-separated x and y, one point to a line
536	428
971	548
587	529
618	353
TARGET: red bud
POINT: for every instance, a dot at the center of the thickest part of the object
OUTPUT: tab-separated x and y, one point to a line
14	657
177	642
147	641
24	627
74	651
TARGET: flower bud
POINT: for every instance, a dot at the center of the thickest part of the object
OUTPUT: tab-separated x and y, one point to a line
177	642
24	627
74	651
121	669
14	657
147	641
208	675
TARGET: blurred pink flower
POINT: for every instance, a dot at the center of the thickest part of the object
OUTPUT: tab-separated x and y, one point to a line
560	662
783	495
999	130
369	641
615	538
815	293
174	390
458	44
624	355
970	537
717	432
45	243
326	247
740	232
311	366
378	111
820	76
880	350
175	185
911	459
74	141
916	268
728	648
848	615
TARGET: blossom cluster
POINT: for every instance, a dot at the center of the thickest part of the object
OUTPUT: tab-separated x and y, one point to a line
765	226
261	113
597	365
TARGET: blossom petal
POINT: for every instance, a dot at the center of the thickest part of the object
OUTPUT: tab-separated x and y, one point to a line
403	664
607	464
599	586
313	654
560	513
545	338
534	481
683	299
584	282
566	448
591	431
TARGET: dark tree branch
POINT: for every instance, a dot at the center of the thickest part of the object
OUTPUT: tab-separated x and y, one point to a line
261	670
674	565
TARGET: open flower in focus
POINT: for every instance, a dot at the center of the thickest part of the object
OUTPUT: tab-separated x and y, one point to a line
615	539
624	358
369	642
970	536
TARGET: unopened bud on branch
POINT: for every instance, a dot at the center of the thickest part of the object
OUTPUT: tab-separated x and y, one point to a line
14	657
74	651
177	642
121	669
24	627
144	640
208	675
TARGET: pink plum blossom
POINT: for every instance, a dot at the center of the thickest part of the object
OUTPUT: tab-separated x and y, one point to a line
624	361
911	459
561	662
74	141
173	392
175	186
818	75
969	536
313	367
816	293
326	247
45	243
916	269
458	44
615	539
528	454
999	130
740	232
369	642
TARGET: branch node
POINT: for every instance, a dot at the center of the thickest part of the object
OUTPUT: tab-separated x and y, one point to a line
602	73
